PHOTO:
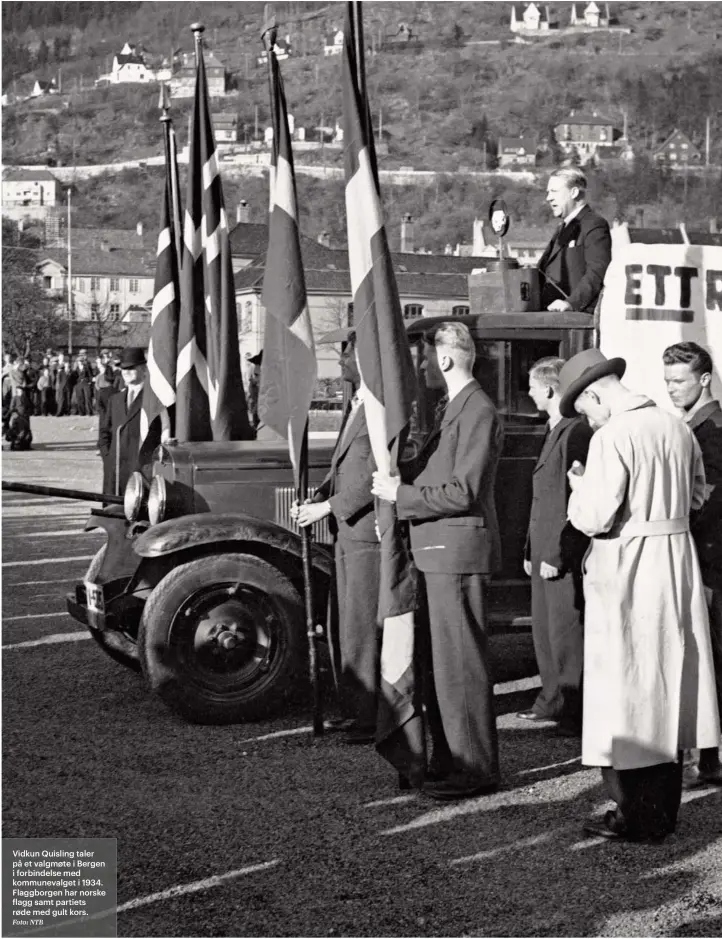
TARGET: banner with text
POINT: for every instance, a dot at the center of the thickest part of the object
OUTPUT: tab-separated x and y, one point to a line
657	295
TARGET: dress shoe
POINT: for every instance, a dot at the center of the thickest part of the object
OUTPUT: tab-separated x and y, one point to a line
451	790
535	717
613	828
695	778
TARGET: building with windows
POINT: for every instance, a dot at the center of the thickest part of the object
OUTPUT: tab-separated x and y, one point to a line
28	193
517	151
333	42
677	151
113	275
183	79
581	133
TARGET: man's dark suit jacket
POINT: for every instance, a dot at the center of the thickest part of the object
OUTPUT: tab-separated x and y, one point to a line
550	537
119	441
577	259
348	483
706	525
450	503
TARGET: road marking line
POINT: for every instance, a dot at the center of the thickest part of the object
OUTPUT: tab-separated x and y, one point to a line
77	557
542	769
505	848
15	619
278	733
199	885
35	583
48	641
58	534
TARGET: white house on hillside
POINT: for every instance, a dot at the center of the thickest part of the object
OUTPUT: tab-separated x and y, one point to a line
592	16
533	19
129	66
333	42
28	193
41	88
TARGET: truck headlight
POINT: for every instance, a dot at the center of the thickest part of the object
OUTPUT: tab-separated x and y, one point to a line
157	500
134	496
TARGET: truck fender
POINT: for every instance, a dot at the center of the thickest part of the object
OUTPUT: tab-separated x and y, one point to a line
203	529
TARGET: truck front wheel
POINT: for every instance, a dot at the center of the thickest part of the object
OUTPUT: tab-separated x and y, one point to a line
221	639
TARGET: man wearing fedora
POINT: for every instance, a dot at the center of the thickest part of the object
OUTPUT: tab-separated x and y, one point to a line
345	498
575	261
649	687
119	436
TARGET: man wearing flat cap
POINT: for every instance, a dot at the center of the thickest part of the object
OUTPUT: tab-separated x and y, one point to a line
649	687
345	497
119	436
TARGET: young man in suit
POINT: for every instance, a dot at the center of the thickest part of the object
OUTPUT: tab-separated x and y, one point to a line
688	374
119	436
576	259
448	500
345	496
553	559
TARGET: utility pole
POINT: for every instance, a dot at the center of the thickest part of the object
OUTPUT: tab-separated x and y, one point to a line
255	131
706	143
381	125
70	285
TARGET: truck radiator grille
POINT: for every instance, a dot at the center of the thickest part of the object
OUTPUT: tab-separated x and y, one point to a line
284	500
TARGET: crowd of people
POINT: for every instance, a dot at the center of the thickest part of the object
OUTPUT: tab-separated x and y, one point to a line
54	384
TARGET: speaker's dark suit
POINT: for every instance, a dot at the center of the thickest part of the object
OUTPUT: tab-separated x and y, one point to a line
119	441
557	605
577	259
449	503
348	489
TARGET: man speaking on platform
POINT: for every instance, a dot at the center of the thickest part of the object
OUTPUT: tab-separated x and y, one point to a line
575	261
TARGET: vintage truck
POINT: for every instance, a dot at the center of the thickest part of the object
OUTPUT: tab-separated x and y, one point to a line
200	582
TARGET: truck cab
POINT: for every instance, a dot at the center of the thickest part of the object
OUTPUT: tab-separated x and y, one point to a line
200	583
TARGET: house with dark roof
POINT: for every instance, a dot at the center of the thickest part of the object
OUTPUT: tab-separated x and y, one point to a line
677	151
429	285
534	18
282	50
129	66
333	42
183	79
582	132
225	128
108	280
42	87
517	151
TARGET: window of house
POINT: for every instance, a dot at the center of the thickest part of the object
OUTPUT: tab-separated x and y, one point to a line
94	311
115	311
80	284
115	283
460	310
48	282
133	285
413	309
94	283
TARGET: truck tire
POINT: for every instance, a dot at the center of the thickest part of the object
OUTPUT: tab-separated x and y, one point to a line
121	647
221	639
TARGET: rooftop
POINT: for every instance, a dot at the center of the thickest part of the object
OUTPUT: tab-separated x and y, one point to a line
20	175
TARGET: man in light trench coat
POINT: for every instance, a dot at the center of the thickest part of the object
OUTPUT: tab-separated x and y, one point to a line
649	687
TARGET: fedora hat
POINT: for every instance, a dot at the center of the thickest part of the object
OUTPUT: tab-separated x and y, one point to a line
579	373
338	335
132	357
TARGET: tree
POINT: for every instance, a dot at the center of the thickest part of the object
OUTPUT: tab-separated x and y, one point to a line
29	317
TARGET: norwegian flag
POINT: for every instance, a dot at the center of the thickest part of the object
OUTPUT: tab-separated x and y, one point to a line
389	385
159	390
288	372
211	404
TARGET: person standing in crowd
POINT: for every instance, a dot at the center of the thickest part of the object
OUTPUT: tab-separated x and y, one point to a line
447	497
688	376
7	386
105	388
345	497
575	261
649	688
64	385
83	394
253	378
46	392
119	437
553	559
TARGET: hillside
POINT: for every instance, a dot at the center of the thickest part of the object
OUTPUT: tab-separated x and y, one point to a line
443	103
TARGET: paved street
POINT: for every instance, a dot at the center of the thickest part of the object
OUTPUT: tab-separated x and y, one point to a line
260	830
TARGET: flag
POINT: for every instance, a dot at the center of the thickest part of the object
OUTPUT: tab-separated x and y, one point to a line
159	389
288	371
388	382
210	403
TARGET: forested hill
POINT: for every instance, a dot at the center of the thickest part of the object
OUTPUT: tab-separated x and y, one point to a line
443	100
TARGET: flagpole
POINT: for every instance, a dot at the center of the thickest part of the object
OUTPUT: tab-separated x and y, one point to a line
269	40
197	29
171	163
